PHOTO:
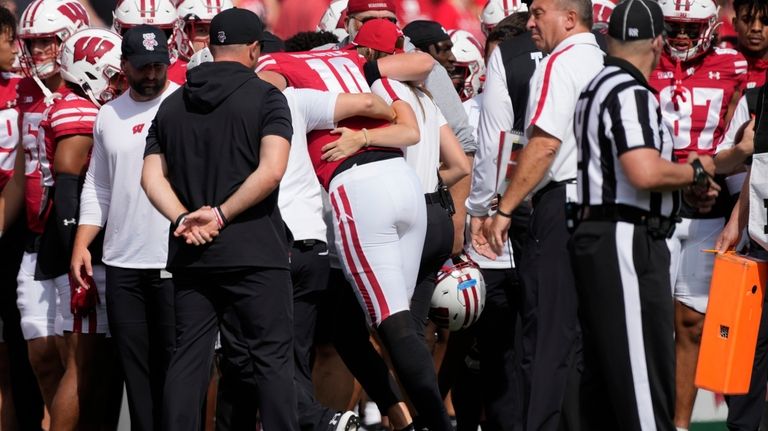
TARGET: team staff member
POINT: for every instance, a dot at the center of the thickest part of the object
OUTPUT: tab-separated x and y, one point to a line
437	159
223	141
628	204
505	94
547	168
139	294
439	84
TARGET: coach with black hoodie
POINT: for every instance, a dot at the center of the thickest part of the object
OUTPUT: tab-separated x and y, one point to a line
215	155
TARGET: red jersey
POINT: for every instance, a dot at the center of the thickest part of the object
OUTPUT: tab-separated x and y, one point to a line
756	69
31	105
694	98
9	117
335	71
177	71
67	116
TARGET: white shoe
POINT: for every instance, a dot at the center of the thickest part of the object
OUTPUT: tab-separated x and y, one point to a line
344	421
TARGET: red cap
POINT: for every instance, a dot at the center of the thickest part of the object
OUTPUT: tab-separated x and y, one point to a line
378	34
357	6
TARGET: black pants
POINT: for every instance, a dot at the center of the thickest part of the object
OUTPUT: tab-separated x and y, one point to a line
438	244
549	314
26	393
141	320
253	307
309	273
746	411
349	332
627	319
495	385
496	346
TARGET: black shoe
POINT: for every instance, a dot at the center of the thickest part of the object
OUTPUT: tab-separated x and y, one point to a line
344	421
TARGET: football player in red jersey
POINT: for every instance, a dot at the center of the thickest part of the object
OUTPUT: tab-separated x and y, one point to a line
696	84
90	65
10	247
194	21
157	13
42	28
751	24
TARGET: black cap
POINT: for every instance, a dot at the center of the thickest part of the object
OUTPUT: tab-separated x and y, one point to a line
271	43
423	33
145	44
236	27
636	20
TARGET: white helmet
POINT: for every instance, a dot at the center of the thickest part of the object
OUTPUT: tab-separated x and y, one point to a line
689	13
459	296
191	13
333	19
45	19
90	58
158	13
496	10
601	14
469	58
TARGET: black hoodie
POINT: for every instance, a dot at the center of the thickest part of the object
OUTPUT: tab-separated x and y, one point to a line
210	132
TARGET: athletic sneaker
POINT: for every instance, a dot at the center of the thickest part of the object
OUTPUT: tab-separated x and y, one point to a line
344	421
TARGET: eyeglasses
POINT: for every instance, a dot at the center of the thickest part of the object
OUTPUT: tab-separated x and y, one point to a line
368	18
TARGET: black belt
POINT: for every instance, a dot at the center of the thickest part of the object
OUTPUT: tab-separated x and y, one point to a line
552	185
433	198
307	243
365	157
656	224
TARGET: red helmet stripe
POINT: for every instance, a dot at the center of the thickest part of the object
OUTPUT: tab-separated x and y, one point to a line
31	13
467	310
152	6
477	303
506	8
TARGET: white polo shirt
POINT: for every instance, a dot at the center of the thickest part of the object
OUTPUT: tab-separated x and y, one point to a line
300	199
423	157
554	90
135	233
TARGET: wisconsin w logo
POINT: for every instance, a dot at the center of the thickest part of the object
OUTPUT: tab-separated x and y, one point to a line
91	49
75	12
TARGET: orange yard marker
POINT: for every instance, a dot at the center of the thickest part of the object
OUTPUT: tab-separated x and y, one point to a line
730	328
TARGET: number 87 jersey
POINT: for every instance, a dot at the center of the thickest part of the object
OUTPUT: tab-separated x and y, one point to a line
694	97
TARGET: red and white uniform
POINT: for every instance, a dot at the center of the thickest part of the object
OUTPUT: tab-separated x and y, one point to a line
36	302
334	71
379	211
31	106
9	117
694	97
67	116
177	71
70	115
756	69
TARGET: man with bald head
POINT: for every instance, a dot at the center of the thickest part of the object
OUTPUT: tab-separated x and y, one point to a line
546	170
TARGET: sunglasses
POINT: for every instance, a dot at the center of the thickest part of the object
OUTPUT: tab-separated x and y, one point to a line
368	18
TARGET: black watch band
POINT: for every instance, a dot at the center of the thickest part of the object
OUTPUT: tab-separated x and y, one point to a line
502	213
700	176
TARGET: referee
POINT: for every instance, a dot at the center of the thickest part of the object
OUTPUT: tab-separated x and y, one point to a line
628	203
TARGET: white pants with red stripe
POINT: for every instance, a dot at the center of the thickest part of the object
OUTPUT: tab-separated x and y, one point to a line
96	322
380	222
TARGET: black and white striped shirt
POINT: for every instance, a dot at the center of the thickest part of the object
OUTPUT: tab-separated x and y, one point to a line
618	112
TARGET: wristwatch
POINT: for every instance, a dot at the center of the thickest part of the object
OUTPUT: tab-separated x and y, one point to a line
700	176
